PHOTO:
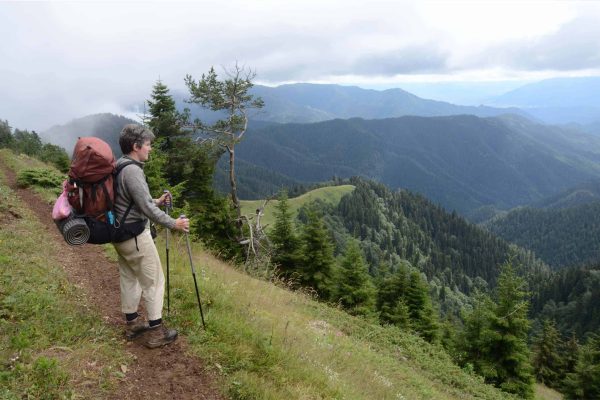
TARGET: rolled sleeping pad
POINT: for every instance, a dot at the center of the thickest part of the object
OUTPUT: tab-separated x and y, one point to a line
74	230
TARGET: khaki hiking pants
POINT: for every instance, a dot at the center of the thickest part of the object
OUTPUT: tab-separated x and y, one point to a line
141	275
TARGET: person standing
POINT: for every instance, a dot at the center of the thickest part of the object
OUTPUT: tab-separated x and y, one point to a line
140	269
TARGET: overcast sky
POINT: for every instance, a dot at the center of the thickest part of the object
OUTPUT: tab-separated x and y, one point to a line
62	60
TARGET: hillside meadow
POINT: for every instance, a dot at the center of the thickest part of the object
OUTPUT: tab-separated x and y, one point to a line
330	195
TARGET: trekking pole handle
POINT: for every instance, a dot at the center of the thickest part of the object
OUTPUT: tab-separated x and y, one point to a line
168	199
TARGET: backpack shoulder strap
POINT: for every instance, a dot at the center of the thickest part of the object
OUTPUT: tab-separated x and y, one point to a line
123	165
118	170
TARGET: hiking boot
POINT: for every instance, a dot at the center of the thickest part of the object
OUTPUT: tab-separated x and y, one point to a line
158	336
135	328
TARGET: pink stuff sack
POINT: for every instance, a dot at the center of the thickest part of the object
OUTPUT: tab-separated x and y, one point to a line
62	208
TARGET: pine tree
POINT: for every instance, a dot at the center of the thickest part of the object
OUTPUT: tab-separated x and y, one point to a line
547	362
285	242
588	368
400	315
508	341
317	256
164	120
354	289
422	314
390	297
474	338
231	96
569	355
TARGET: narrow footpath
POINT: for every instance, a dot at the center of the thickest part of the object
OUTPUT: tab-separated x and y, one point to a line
164	373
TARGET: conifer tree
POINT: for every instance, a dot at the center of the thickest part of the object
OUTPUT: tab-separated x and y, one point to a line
164	120
569	355
508	340
475	336
547	362
285	242
422	314
400	315
354	289
317	256
584	382
390	297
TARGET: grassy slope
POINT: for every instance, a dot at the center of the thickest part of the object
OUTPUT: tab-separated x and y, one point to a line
270	343
330	194
50	345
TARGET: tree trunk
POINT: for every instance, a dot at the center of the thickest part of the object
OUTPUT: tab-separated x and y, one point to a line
234	197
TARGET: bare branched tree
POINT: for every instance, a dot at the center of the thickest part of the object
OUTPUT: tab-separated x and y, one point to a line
231	97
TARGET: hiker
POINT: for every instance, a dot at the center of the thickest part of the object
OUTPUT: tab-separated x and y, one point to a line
140	269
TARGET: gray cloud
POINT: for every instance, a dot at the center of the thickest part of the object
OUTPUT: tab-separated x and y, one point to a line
573	47
410	60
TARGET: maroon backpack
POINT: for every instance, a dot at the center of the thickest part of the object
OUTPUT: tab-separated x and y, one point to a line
90	188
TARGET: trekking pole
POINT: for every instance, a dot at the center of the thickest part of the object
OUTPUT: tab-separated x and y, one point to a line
167	206
187	238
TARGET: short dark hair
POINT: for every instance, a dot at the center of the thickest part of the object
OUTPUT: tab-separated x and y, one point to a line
133	134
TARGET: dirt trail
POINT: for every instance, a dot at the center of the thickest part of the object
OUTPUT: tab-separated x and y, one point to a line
165	373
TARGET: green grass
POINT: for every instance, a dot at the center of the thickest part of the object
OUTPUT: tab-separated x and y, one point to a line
330	194
44	179
52	344
270	343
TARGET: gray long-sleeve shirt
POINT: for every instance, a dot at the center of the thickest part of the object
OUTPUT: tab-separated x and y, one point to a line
131	185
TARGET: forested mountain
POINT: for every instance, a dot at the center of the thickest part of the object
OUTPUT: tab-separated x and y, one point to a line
458	258
558	100
394	227
254	182
462	162
585	193
561	237
571	297
105	126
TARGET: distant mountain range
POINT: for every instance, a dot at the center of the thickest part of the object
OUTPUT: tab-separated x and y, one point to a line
304	103
557	101
552	101
461	162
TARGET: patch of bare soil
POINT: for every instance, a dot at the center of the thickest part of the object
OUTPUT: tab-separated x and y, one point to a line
164	373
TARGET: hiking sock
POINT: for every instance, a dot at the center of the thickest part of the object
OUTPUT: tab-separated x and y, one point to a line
155	322
131	317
